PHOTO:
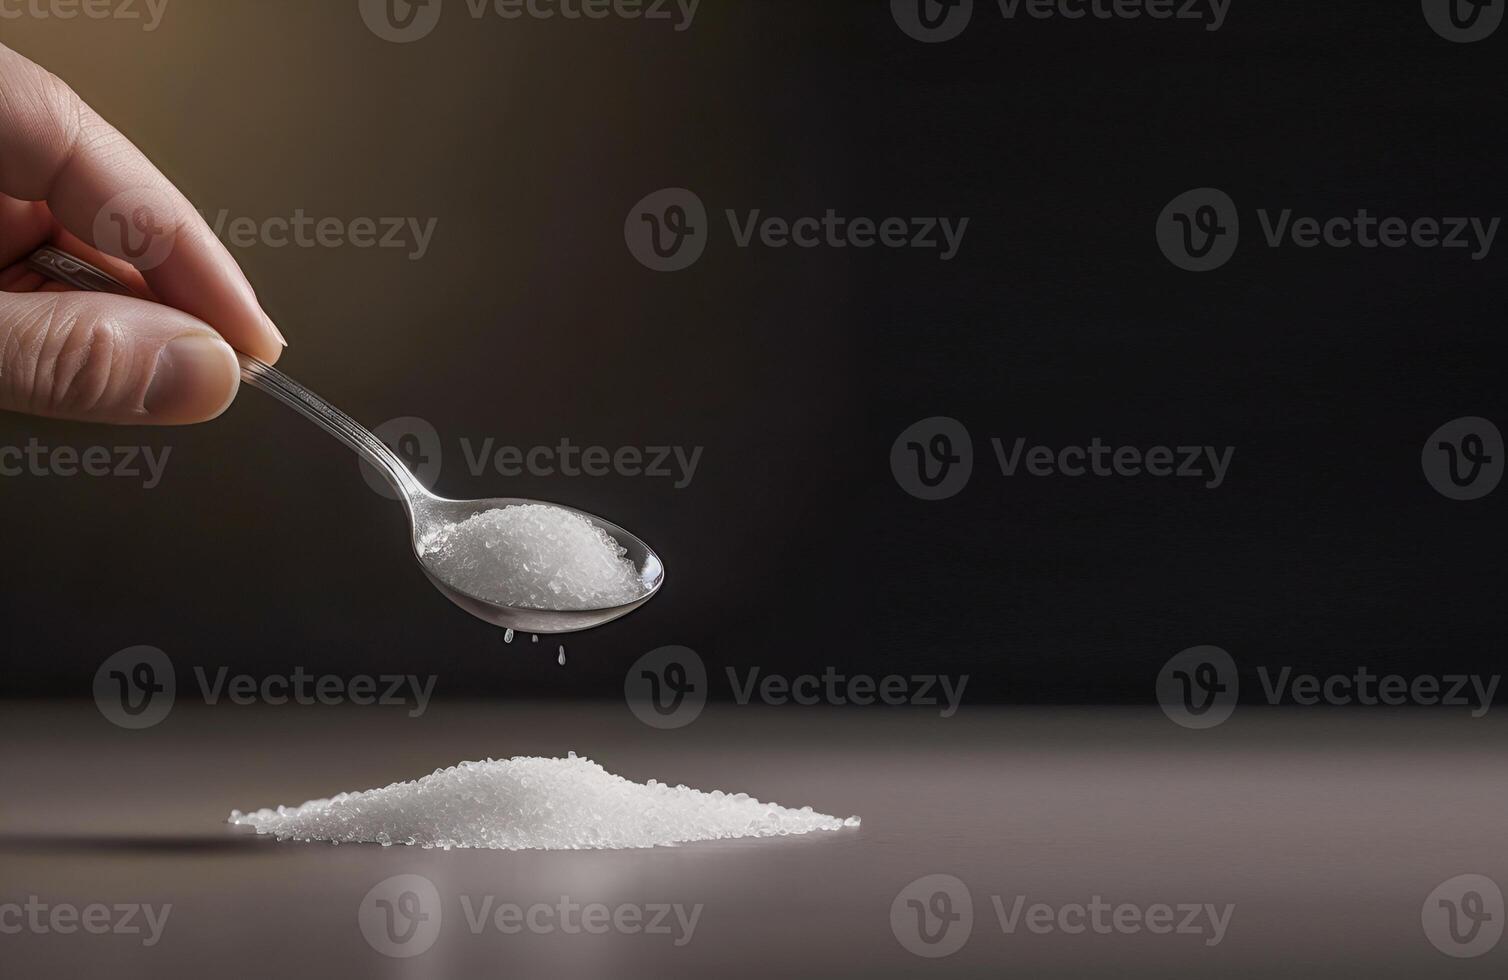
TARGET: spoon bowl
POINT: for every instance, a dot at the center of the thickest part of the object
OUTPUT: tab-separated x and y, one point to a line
431	513
426	512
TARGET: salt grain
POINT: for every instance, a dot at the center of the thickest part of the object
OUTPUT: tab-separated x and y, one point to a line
533	556
524	803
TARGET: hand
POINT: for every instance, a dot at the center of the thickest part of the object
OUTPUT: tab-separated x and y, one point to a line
69	179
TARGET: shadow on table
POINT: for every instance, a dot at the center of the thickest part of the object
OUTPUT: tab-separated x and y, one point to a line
42	843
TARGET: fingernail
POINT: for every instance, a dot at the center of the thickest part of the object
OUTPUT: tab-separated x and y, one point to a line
275	331
195	379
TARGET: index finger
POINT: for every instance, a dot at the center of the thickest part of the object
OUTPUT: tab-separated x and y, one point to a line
99	186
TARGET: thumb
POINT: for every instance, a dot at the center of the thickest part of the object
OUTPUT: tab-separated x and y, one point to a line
94	357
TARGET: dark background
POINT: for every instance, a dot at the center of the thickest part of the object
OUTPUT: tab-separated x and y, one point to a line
794	548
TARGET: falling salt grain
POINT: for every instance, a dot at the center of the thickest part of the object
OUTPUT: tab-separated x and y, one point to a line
556	804
507	636
561	659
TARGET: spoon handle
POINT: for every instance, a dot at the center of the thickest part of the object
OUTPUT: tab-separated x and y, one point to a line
72	271
270	380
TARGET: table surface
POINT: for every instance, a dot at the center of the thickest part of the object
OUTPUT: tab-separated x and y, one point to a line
1324	830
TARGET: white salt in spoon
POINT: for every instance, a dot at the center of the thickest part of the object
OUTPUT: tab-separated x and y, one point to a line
427	513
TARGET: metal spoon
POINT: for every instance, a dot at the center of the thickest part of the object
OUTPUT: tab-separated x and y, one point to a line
426	512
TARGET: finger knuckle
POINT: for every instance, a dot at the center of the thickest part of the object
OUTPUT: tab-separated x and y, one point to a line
65	359
42	106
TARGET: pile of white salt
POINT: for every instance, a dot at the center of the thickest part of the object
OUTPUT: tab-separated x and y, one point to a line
525	802
533	556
